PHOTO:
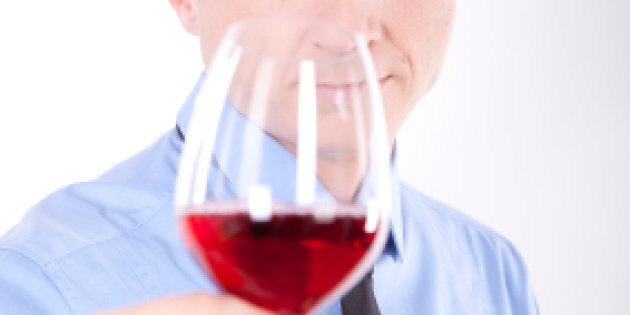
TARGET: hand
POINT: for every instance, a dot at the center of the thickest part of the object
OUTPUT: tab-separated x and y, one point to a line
190	304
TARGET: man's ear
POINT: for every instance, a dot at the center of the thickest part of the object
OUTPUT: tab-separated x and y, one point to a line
187	14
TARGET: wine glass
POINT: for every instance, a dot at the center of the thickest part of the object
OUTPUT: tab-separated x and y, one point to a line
283	188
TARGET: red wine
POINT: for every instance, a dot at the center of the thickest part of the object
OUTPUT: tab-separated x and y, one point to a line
286	264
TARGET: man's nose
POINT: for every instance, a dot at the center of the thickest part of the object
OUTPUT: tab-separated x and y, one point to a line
359	15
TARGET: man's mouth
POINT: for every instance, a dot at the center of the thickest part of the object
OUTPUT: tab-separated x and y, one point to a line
348	87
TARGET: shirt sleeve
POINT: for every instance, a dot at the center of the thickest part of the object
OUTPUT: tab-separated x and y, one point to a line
516	283
26	289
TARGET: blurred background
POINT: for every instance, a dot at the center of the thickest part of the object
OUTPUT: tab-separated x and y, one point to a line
528	129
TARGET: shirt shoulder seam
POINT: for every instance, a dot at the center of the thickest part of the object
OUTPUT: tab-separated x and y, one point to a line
459	216
106	238
41	268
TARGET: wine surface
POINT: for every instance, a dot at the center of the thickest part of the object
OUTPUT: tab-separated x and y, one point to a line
286	264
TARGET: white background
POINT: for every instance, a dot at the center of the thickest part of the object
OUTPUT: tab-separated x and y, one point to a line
528	130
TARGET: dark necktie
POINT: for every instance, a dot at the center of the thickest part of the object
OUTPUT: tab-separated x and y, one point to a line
360	300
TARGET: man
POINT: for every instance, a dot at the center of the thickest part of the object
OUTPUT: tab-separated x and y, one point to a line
112	243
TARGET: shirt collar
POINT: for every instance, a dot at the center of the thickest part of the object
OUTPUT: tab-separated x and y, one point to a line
183	116
233	128
395	243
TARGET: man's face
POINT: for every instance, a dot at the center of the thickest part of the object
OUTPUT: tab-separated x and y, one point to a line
407	38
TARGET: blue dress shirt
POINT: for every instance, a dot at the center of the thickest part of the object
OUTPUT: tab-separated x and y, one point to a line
114	241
